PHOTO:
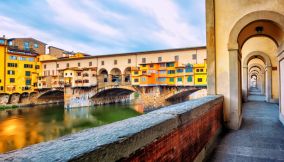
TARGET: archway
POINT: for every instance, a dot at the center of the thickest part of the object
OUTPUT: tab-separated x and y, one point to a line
103	76
260	23
127	75
245	73
115	75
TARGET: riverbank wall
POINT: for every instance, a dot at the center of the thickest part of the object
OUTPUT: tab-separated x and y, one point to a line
183	132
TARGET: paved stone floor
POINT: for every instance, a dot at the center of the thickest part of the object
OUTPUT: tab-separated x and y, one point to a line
261	137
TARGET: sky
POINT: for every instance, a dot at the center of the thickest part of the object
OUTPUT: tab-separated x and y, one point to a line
106	26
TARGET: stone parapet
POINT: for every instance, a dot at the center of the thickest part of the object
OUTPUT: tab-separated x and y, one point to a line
178	132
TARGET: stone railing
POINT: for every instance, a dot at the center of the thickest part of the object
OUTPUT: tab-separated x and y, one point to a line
181	132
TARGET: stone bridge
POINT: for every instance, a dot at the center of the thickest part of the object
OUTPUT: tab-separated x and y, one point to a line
156	96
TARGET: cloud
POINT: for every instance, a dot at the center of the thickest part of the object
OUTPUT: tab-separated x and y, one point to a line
12	29
110	26
173	29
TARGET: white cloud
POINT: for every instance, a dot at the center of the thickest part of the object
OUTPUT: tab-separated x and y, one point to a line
12	28
69	15
173	31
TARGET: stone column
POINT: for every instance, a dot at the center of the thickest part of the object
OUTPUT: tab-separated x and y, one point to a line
268	83
245	83
264	84
235	113
122	79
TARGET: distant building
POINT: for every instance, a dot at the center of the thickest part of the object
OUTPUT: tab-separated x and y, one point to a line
27	44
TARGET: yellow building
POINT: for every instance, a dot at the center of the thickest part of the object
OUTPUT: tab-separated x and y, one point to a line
19	70
169	74
200	74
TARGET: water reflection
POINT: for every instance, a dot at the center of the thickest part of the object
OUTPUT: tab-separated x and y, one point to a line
26	126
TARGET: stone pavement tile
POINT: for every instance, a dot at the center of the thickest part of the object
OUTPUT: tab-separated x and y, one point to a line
261	137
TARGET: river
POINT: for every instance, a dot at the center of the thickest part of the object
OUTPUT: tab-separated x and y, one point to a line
26	126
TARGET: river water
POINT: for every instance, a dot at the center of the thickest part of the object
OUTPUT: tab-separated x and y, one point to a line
26	126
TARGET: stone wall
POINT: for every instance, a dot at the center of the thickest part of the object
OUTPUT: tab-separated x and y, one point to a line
181	132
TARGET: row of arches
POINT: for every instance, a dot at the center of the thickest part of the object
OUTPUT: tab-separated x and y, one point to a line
254	44
114	75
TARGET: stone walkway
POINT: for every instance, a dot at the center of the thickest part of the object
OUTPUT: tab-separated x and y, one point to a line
261	137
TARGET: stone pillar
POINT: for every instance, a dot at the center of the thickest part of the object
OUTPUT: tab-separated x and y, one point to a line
235	113
268	83
264	84
245	83
122	79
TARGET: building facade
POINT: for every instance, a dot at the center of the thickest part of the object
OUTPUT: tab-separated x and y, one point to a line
19	70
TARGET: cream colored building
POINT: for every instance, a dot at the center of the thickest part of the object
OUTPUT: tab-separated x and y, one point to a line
109	66
245	41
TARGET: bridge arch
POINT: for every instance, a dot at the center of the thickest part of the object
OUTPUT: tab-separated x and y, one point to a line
54	94
255	24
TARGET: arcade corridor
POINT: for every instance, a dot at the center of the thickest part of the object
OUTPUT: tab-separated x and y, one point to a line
260	138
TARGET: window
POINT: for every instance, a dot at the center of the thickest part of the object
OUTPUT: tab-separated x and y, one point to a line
28	66
179	79
71	74
31	59
201	70
144	72
136	80
144	60
159	59
28	73
90	63
194	56
143	79
170	64
115	62
176	58
197	70
44	66
151	65
163	72
10	43
188	69
12	80
28	82
162	65
67	65
179	70
129	61
162	79
57	65
199	80
22	58
11	72
13	57
189	78
37	67
79	64
65	74
172	79
171	71
136	72
2	41
1	88
102	63
26	45
12	65
35	45
143	65
79	73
